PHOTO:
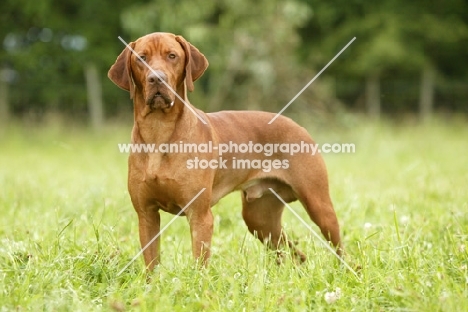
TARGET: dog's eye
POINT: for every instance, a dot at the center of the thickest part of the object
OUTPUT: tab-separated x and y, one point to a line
172	56
142	58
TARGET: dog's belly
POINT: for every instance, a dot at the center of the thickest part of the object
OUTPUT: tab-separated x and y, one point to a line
172	209
255	189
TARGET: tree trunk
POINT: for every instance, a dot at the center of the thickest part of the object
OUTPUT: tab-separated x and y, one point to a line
373	95
426	93
94	90
4	105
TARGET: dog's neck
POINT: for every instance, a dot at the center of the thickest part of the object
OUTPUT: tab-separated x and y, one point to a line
160	125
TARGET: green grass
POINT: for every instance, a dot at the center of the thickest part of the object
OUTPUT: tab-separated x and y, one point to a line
67	228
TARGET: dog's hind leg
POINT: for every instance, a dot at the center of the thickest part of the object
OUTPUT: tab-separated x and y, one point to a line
320	210
263	218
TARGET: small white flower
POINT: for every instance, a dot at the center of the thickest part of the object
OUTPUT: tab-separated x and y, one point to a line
237	275
108	202
338	292
462	248
444	295
331	297
404	220
427	245
177	284
367	225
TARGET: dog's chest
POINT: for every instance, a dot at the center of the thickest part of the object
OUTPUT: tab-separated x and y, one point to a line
152	166
156	172
156	181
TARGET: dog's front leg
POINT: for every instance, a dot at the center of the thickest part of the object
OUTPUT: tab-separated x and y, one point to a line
149	226
201	229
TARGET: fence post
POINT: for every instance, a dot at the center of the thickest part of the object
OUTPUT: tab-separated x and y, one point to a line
426	93
373	95
94	93
4	100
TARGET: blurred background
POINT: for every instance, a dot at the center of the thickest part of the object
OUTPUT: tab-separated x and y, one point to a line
410	58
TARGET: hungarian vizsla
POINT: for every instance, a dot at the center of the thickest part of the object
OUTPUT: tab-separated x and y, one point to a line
167	181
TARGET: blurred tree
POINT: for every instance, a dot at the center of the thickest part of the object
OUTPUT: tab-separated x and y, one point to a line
251	47
441	36
393	36
53	47
54	54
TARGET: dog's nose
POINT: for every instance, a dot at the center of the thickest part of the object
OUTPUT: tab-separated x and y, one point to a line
156	76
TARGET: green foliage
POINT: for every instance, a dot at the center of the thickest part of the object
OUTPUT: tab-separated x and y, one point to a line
261	53
395	39
250	46
48	43
68	228
391	33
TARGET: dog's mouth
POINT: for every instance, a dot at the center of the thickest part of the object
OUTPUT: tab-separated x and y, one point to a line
160	100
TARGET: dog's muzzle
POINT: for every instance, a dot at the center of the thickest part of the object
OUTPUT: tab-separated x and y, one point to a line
159	100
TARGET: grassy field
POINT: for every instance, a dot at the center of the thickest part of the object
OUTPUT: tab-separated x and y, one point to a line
67	228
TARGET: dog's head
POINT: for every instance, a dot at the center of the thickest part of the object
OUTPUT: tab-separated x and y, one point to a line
155	64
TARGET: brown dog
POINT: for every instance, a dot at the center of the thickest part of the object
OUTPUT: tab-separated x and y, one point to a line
169	181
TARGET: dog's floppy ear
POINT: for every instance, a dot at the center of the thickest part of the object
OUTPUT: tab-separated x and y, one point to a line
195	62
121	72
